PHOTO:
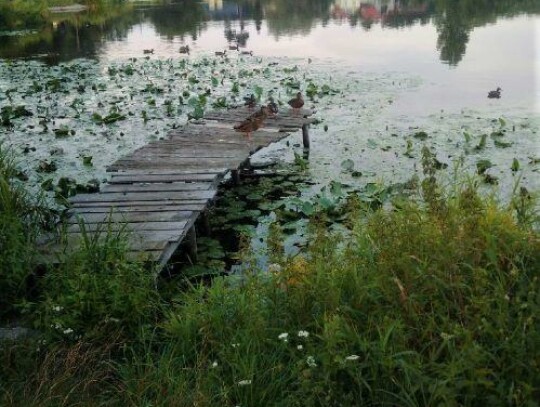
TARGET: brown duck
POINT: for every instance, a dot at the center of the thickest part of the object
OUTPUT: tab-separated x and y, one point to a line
253	122
250	125
297	103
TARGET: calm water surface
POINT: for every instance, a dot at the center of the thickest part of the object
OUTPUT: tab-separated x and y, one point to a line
412	65
460	49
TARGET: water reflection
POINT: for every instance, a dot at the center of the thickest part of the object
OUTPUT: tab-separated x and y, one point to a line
69	35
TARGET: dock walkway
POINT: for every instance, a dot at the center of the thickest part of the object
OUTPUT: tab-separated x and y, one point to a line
160	190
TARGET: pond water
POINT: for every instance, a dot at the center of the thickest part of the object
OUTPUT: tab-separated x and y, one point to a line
397	68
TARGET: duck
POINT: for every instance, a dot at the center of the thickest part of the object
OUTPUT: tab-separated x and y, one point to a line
273	107
495	94
297	102
264	112
250	101
250	125
233	47
250	53
220	53
148	51
184	49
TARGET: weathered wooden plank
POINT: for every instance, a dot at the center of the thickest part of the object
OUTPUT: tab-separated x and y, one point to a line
192	164
128	209
157	187
270	122
191	205
189	155
140	240
144	196
138	165
131	217
161	178
176	227
191	149
283	111
201	171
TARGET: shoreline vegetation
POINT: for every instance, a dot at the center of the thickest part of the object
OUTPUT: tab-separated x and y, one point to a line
432	301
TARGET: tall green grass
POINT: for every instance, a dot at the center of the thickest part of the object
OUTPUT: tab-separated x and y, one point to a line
426	305
21	217
434	303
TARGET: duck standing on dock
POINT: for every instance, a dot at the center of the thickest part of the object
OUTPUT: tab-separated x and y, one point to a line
253	122
250	101
273	107
297	103
495	94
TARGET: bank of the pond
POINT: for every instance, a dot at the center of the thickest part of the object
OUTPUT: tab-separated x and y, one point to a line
421	304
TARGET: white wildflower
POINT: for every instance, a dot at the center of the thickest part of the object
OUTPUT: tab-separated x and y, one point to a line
352	357
68	331
244	382
446	337
57	308
311	361
274	268
215	364
284	337
299	347
235	345
303	334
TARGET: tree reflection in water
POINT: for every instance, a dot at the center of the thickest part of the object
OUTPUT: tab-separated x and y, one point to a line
72	35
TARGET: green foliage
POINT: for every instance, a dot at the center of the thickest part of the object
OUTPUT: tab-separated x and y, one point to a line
97	291
20	217
422	307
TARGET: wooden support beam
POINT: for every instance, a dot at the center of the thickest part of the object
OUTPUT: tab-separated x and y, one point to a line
235	174
192	244
305	135
205	223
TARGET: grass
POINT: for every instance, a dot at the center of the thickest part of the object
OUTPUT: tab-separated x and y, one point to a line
21	219
436	303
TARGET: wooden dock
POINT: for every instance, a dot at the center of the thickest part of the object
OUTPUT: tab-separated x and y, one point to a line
159	191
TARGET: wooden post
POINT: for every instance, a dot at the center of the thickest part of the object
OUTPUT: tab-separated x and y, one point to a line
205	224
192	244
235	174
305	135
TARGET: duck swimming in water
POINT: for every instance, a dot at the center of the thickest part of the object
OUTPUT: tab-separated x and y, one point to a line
184	49
495	94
